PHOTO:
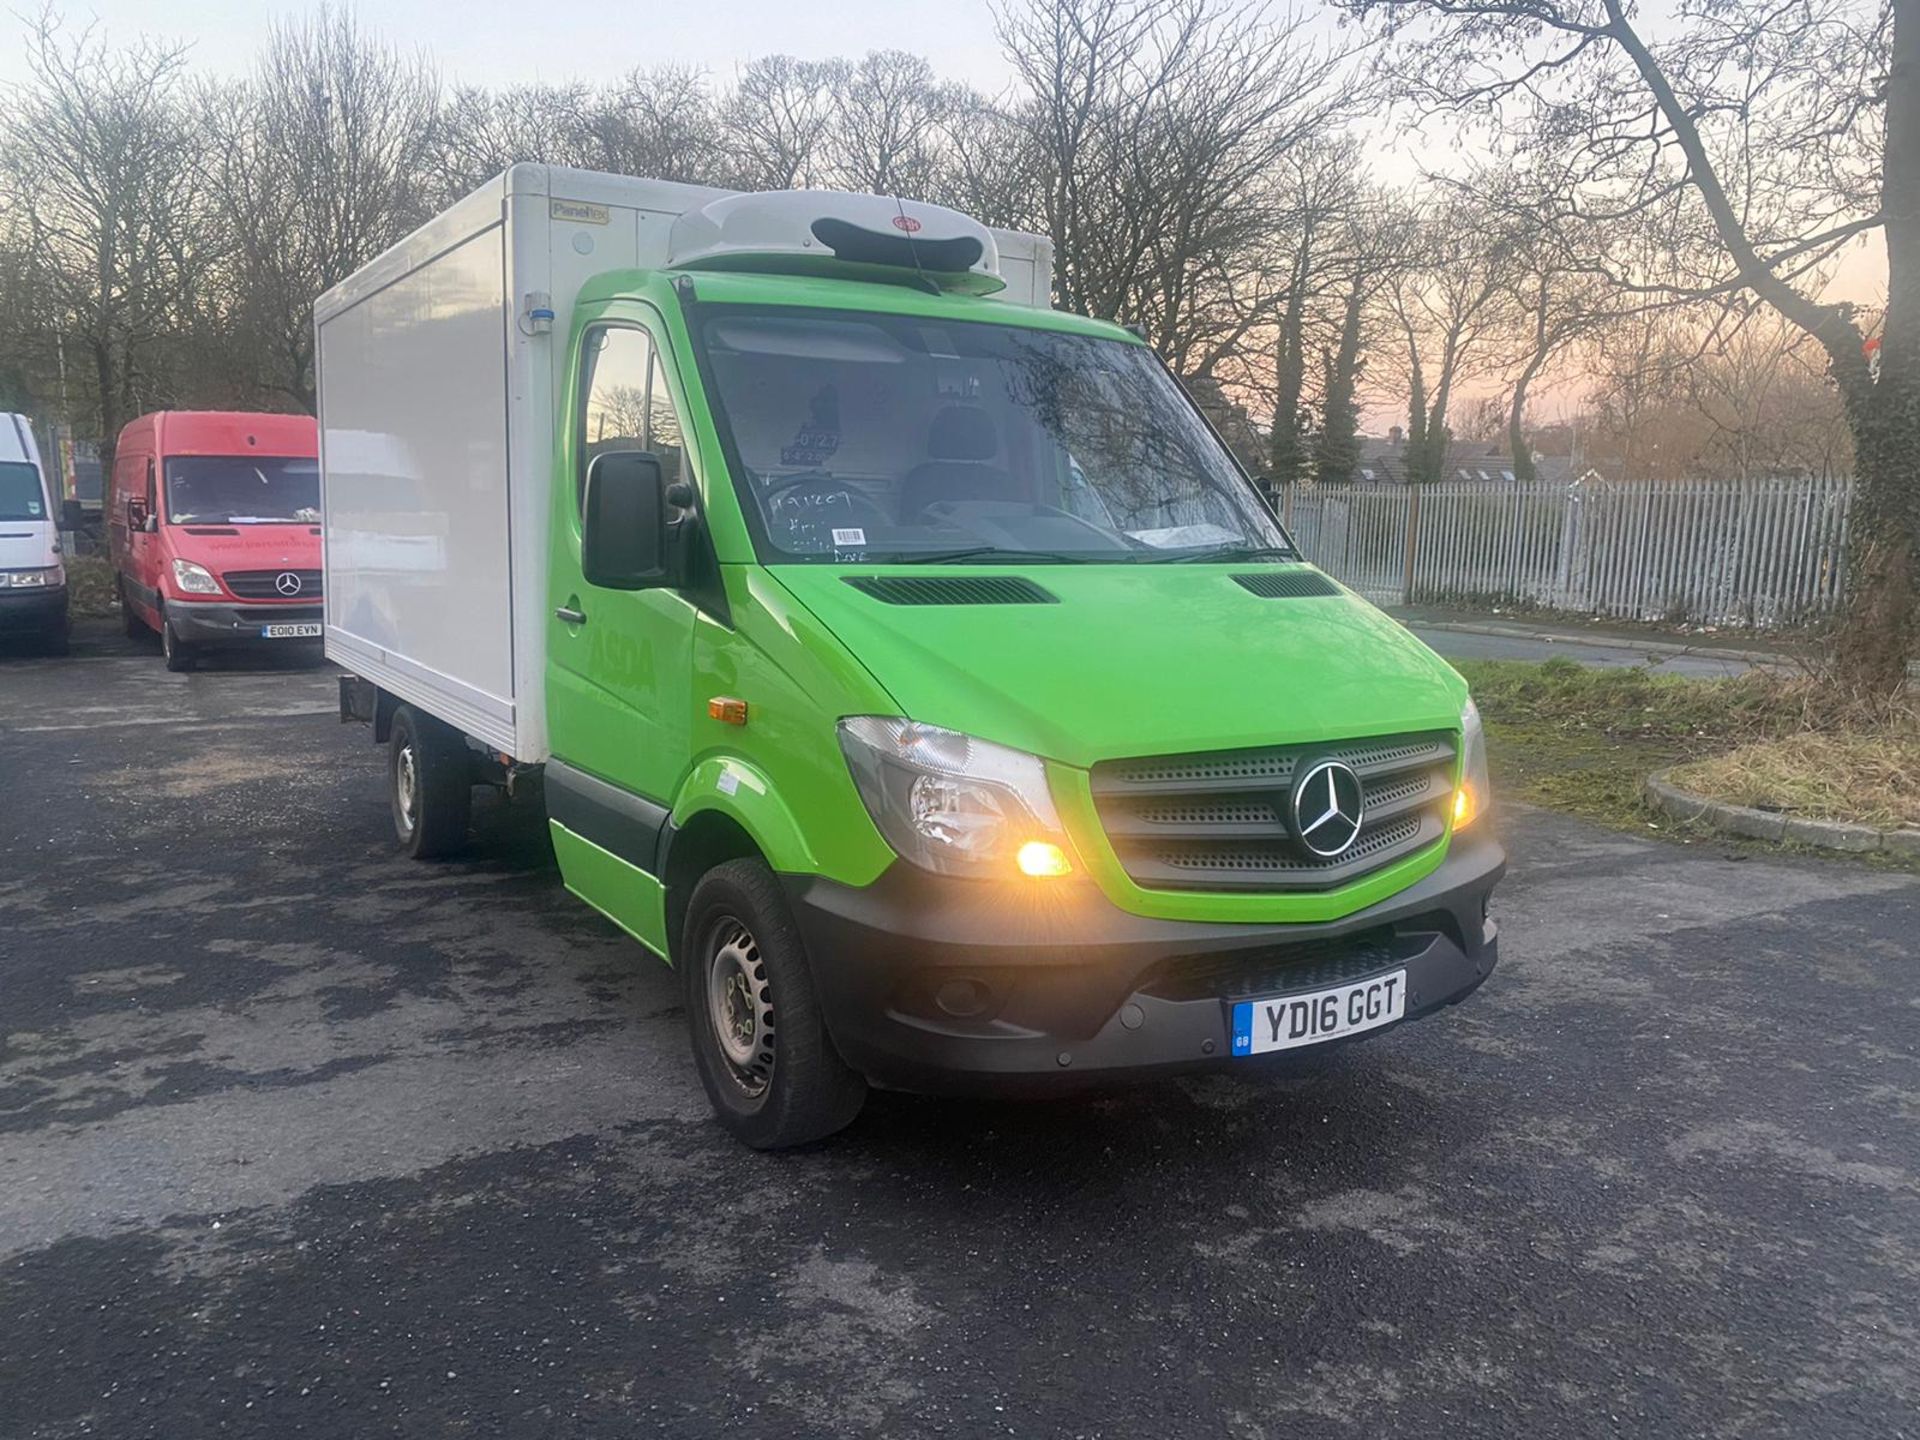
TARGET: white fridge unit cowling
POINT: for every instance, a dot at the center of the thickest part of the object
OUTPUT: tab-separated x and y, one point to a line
438	388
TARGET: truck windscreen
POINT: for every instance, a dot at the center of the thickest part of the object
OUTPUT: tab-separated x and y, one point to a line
892	437
242	490
20	494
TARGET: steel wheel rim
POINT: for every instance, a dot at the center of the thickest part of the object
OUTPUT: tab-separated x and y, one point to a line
740	1006
407	780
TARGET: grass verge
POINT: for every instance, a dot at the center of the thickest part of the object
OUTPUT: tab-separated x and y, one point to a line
1867	779
1580	740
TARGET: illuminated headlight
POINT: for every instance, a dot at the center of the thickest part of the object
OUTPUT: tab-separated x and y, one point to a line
194	579
1470	800
954	804
52	576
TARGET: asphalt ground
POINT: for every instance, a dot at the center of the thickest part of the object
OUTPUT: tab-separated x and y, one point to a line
297	1139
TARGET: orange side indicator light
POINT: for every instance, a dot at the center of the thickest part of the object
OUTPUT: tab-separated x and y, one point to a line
1042	859
727	710
1464	809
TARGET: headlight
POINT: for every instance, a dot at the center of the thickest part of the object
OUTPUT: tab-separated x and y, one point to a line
1470	800
954	804
53	575
194	579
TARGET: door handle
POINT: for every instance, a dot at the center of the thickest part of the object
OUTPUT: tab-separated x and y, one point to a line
571	615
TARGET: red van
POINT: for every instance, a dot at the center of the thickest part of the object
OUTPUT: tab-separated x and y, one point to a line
214	528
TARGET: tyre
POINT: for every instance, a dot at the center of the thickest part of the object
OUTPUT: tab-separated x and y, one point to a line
759	1039
430	784
179	655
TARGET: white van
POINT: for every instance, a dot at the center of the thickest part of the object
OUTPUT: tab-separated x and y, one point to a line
33	582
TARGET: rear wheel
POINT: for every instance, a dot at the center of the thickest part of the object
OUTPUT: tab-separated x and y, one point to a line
759	1039
179	655
430	784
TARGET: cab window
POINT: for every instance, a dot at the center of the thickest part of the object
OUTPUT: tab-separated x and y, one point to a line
628	405
616	361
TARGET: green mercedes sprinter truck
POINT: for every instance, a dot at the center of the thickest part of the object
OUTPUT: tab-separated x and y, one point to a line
905	662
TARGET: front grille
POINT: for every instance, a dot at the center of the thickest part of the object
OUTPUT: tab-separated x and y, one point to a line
265	584
1315	965
1219	821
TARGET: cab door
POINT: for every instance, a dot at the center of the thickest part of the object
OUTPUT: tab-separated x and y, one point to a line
134	505
619	662
145	542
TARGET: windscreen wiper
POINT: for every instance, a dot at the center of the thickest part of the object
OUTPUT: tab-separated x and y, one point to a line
1228	555
986	554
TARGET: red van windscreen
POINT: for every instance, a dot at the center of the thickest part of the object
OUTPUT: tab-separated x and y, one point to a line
242	490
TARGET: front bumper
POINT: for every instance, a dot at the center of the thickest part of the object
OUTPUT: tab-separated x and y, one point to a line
224	622
937	984
40	610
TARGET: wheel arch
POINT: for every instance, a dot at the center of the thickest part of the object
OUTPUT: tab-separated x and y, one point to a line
690	849
726	810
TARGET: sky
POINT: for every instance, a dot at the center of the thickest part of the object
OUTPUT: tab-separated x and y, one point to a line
497	42
493	42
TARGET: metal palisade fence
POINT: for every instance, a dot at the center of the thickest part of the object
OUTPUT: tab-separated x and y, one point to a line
1762	554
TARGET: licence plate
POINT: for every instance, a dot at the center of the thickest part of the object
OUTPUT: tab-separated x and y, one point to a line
1287	1022
307	630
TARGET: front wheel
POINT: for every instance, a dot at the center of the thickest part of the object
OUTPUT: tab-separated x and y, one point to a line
759	1039
430	784
179	655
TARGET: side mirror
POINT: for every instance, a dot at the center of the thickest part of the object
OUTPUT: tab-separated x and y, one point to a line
72	517
136	515
623	522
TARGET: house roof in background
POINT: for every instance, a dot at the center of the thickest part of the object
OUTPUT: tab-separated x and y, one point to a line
1383	462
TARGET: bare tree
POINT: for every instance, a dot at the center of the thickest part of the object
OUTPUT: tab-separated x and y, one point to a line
1158	128
1553	299
1324	184
1449	308
985	166
656	122
101	175
779	120
482	132
889	125
1774	131
1376	251
1688	395
323	164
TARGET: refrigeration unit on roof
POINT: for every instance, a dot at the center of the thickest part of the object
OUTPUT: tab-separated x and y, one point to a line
824	232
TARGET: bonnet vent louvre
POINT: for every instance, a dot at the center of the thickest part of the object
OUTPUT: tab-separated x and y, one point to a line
1287	584
952	589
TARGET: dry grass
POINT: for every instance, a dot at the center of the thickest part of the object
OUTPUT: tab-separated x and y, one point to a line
90	586
1581	740
1870	778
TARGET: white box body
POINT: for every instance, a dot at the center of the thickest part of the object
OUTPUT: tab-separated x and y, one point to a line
437	408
